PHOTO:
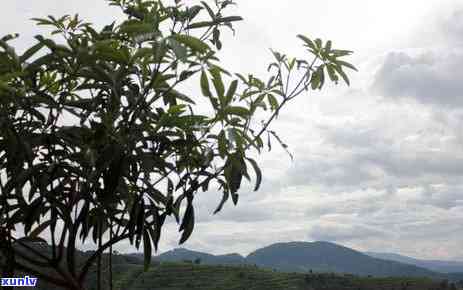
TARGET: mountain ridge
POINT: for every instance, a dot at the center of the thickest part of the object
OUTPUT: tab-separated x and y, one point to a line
319	256
441	266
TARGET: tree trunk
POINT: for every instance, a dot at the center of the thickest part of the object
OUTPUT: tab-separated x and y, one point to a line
111	267
98	270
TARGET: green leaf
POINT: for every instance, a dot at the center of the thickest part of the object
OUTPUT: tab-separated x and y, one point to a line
6	87
209	10
318	44
291	63
242	78
318	78
84	104
179	50
223	148
31	51
217	81
322	76
174	94
328	46
343	63
217	21
42	21
340	52
234	171
225	197
216	38
257	171
236	110
187	223
272	101
342	74
192	42
7	38
193	11
156	232
332	73
231	91
258	103
186	74
229	19
136	27
220	69
200	24
235	198
308	42
205	85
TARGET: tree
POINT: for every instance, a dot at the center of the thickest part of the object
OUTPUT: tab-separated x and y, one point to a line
98	143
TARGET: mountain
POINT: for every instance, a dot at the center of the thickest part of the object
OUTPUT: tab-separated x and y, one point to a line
329	257
179	255
434	265
306	256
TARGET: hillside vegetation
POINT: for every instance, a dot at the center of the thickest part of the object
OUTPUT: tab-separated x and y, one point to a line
193	273
186	276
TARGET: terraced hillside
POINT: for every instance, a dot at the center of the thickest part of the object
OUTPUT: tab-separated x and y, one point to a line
183	276
128	274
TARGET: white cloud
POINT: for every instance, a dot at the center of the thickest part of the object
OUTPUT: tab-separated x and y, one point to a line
337	232
432	78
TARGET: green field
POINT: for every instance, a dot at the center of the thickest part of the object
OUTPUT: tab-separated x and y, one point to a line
183	276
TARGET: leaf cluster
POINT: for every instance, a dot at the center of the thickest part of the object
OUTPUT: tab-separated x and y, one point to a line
99	143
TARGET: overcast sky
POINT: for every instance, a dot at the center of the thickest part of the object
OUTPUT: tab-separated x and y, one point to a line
378	166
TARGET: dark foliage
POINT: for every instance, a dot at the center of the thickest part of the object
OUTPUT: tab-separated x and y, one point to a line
98	143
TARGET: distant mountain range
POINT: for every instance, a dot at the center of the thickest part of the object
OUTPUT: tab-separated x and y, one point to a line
329	257
179	255
325	257
434	265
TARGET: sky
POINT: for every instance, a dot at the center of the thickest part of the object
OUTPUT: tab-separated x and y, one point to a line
377	165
